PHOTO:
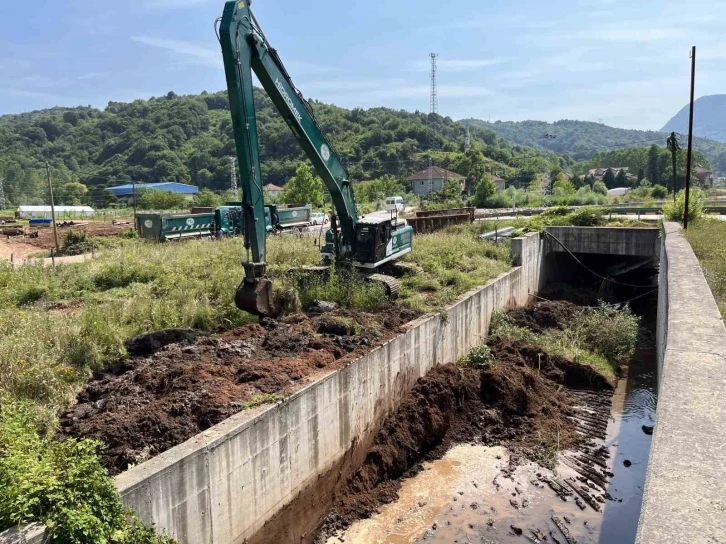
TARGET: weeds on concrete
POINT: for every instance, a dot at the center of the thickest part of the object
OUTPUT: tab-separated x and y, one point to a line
708	240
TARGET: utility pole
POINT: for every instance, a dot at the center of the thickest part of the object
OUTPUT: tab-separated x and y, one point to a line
133	192
674	145
52	207
690	138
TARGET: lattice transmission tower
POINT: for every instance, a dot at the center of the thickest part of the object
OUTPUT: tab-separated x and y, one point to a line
233	176
2	194
434	108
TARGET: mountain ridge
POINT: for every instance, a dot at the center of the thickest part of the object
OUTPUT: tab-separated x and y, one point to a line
709	118
581	140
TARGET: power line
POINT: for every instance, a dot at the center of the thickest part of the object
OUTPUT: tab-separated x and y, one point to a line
590	270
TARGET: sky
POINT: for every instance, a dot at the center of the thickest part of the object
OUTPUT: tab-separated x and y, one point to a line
622	63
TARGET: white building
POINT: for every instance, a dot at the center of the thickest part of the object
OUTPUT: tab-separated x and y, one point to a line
27	212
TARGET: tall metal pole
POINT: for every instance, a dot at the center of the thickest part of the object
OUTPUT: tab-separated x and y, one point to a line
690	137
52	207
133	191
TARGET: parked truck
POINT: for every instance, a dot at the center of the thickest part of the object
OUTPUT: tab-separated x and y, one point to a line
219	222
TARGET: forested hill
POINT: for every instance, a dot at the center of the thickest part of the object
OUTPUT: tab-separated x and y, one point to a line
189	139
581	139
709	118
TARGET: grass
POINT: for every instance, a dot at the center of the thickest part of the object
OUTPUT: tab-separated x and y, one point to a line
60	324
453	262
596	337
708	240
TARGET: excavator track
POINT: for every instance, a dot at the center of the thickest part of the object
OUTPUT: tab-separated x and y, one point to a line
390	284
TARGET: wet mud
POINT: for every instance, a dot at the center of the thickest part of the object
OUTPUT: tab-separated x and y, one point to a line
529	450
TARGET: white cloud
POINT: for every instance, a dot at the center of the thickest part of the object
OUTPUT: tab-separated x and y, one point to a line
191	51
92	75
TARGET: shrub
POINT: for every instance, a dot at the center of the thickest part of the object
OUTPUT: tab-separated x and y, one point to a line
587	217
600	188
478	357
608	330
75	243
61	484
658	191
674	211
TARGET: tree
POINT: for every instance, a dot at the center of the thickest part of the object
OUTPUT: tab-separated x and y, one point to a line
654	172
72	194
600	188
161	200
563	187
621	180
303	188
609	179
641	175
483	191
207	198
450	192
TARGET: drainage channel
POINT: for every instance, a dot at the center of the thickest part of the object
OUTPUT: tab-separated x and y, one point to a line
480	494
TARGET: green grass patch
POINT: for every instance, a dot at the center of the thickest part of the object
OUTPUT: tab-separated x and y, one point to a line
453	262
596	337
708	240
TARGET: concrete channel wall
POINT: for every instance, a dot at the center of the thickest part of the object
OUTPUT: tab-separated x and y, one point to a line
685	496
225	484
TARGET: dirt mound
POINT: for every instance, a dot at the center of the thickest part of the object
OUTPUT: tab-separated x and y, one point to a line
182	385
558	369
544	315
503	404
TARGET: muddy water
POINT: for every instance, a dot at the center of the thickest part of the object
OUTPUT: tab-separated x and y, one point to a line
470	496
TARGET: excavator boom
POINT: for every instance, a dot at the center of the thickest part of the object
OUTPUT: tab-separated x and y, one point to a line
245	50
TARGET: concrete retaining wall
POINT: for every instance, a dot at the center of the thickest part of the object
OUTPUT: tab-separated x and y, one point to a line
223	485
685	497
605	241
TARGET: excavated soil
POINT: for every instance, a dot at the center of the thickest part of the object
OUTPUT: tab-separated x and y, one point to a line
522	401
178	383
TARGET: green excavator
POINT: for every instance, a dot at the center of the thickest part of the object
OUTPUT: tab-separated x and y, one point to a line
369	245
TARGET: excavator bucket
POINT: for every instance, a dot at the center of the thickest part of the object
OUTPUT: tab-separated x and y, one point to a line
256	298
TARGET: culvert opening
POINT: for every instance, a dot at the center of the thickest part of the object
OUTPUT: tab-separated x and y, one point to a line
530	439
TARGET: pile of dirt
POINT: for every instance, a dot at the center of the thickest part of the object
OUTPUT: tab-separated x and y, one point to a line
544	315
169	392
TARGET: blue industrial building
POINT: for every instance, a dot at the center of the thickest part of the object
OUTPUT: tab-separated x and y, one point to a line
126	192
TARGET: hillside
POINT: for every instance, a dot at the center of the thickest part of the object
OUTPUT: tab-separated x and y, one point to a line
582	139
709	118
189	139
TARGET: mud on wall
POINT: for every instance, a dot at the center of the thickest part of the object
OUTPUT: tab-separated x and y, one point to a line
223	485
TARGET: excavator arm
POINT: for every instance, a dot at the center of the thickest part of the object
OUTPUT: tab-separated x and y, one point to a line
245	50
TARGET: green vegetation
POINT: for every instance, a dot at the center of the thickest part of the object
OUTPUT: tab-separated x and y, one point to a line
303	188
675	211
708	239
60	483
580	140
596	337
478	357
188	139
654	164
453	262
